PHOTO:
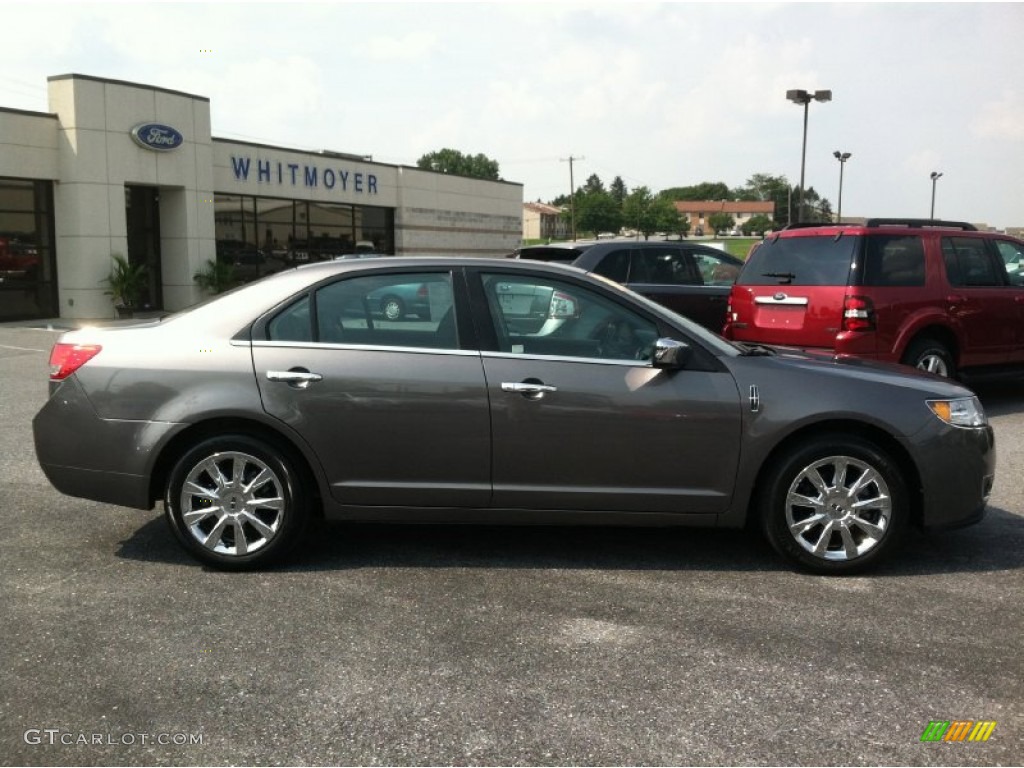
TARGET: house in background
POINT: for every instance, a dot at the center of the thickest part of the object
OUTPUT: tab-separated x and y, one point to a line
544	222
698	212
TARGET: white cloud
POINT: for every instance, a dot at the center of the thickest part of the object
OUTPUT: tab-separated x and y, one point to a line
1003	119
414	45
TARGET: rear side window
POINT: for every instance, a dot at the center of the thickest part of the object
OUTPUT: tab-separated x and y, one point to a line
893	260
801	261
663	266
614	266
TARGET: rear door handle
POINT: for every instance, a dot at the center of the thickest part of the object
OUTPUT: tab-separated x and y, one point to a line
299	378
531	390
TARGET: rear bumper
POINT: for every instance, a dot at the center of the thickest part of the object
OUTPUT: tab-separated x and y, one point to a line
88	457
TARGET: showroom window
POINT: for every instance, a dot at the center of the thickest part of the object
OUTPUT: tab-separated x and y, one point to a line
261	235
27	261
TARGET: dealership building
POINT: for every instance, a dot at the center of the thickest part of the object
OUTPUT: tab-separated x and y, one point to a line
130	169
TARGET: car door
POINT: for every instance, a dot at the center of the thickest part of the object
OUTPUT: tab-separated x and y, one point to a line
1011	253
981	301
581	420
396	410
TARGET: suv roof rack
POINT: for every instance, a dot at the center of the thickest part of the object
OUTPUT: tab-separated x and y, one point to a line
921	223
806	224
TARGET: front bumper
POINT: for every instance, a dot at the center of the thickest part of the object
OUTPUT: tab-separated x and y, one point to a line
957	468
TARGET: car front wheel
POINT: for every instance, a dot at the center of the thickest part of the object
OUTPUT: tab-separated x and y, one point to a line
837	504
235	502
392	307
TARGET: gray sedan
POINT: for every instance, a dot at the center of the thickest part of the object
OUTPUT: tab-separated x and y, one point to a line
527	393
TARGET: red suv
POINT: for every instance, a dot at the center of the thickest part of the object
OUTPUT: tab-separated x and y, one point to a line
937	295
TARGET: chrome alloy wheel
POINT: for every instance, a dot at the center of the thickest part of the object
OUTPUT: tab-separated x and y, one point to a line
232	503
933	363
838	508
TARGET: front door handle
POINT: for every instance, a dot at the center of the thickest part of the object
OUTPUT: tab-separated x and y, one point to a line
299	378
530	389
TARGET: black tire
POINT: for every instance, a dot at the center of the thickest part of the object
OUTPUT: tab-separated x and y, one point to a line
930	355
392	307
252	525
831	536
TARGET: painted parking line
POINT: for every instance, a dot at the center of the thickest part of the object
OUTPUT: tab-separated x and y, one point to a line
22	349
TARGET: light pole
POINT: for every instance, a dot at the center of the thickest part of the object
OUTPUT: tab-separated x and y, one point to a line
935	177
804	97
842	157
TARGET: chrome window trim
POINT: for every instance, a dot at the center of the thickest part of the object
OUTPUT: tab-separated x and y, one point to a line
366	348
566	359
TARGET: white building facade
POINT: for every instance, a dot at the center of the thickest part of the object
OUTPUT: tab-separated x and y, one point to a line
124	168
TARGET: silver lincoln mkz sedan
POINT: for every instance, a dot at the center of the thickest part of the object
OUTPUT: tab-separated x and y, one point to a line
526	393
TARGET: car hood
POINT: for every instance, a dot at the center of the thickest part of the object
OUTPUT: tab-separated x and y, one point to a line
829	365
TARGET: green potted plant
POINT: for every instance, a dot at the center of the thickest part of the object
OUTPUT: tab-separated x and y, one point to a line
126	281
216	277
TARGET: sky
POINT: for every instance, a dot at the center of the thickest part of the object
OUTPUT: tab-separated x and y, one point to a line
661	94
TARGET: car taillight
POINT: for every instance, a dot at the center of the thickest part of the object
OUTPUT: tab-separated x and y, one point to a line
422	291
858	314
65	359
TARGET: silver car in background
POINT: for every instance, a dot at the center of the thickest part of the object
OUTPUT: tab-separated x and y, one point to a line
523	393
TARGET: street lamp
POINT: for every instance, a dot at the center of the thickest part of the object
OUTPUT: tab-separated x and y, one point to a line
842	157
804	97
935	177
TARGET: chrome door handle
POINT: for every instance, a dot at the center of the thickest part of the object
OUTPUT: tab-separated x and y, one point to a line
529	389
300	379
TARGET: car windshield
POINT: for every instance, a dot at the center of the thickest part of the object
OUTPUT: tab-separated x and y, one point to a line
825	260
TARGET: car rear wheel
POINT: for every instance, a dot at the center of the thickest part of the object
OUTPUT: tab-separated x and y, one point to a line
835	505
392	307
235	502
932	356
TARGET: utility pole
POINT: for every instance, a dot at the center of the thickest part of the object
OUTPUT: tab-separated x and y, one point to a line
572	193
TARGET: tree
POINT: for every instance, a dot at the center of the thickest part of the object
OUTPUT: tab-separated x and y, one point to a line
758	224
764	186
707	190
597	212
457	164
618	190
594	184
721	221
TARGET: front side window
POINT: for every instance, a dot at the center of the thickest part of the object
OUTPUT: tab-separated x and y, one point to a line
1012	255
539	316
714	270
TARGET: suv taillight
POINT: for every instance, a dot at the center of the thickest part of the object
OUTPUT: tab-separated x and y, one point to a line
858	314
65	359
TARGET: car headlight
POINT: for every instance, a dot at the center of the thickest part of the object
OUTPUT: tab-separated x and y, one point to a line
961	412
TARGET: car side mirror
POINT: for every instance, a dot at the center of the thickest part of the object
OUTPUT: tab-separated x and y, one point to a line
670	354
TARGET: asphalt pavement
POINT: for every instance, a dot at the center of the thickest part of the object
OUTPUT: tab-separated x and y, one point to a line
407	645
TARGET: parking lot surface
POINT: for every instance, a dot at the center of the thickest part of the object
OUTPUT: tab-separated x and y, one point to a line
406	645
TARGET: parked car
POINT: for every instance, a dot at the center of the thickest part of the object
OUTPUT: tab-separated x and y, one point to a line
693	280
936	295
287	399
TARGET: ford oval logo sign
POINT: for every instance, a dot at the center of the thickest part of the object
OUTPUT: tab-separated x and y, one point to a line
161	138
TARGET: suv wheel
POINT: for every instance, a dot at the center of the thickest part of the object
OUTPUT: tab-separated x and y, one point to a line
235	502
932	356
836	504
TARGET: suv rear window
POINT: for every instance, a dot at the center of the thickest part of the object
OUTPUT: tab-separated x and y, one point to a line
801	261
